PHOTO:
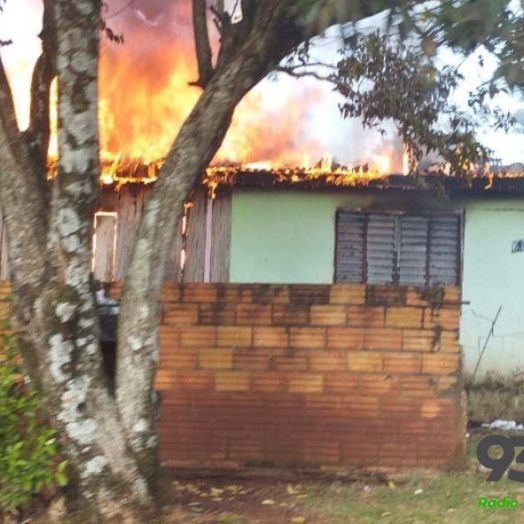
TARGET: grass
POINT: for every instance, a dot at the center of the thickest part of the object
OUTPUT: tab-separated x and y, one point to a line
495	396
420	498
424	499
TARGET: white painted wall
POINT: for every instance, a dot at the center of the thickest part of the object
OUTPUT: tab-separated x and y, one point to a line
493	277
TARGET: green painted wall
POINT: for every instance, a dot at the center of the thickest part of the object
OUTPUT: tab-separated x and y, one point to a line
289	236
284	237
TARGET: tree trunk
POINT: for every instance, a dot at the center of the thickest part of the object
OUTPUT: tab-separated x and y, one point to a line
55	314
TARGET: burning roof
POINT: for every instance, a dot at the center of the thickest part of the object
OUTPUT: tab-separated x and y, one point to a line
508	181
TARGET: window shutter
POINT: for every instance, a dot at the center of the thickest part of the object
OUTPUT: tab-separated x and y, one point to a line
380	248
381	252
444	242
413	250
349	255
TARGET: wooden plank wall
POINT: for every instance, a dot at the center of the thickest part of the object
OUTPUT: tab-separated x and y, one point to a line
221	238
129	202
196	239
104	255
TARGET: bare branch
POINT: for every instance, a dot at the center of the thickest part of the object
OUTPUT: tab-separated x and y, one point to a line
203	48
294	72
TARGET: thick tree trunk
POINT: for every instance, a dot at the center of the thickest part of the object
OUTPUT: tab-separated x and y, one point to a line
55	313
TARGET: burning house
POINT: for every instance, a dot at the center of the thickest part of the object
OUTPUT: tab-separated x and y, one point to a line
310	316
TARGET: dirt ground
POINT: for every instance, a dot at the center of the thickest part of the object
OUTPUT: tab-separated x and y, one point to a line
229	500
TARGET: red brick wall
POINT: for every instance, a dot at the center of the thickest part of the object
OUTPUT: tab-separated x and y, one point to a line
311	375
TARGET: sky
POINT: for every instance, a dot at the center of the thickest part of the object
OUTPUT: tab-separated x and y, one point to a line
319	127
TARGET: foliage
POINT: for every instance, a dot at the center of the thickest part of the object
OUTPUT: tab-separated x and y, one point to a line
29	452
385	80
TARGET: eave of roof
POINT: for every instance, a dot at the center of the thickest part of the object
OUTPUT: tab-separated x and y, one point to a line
486	186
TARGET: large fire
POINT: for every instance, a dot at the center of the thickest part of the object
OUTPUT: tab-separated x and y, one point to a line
145	96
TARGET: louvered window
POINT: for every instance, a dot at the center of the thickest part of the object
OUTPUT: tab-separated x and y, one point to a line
386	248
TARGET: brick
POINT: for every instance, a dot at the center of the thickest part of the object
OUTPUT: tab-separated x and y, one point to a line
169	336
345	338
228	293
194	336
415	297
385	295
250	359
419	340
215	358
308	294
270	337
178	358
362	404
347	294
452	294
449	342
270	293
170	292
418	386
383	338
447	383
307	337
326	360
374	385
253	314
447	318
288	362
433	408
306	383
400	407
440	363
216	314
341	383
292	315
365	361
397	362
404	317
268	382
322	405
245	449
232	381
234	336
324	451
165	378
198	292
195	380
366	316
180	314
328	315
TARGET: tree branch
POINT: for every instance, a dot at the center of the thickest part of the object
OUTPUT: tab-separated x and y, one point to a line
203	48
293	71
21	187
44	72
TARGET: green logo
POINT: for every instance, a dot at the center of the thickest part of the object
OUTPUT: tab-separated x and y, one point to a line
506	502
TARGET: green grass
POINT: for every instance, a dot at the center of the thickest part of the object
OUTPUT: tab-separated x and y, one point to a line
445	498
